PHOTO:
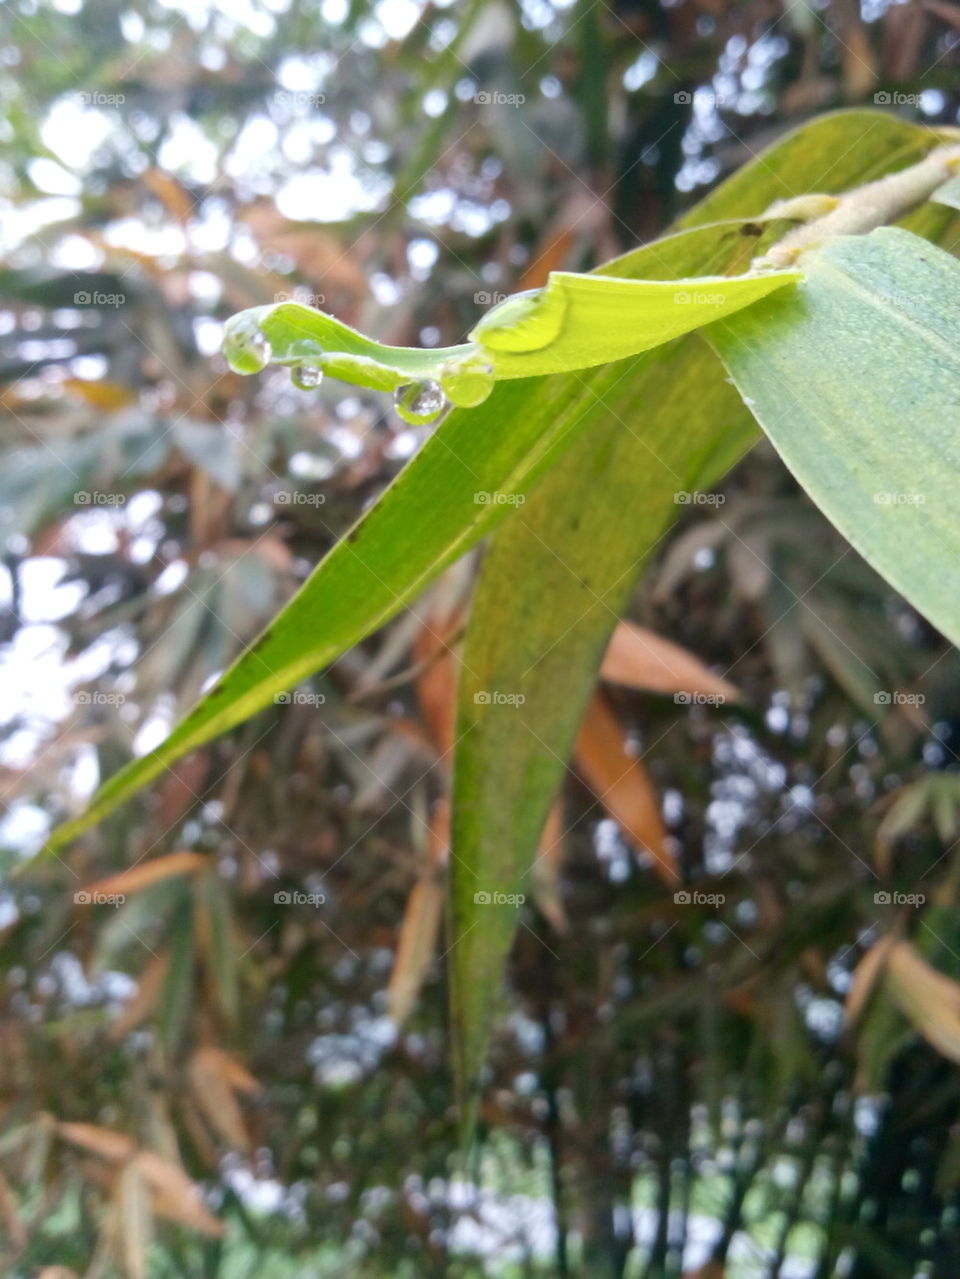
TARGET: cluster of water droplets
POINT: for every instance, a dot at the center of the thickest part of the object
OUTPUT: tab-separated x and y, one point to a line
463	381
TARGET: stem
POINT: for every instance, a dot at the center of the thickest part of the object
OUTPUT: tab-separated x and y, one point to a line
863	209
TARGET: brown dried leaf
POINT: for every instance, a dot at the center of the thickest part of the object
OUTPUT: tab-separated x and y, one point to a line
637	658
622	785
213	1089
146	874
929	1000
865	977
175	1195
545	876
141	1004
106	1143
421	922
10	1216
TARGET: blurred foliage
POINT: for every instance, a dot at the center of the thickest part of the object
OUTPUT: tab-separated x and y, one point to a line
205	995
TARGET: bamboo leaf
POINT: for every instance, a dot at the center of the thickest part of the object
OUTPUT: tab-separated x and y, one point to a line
574	322
856	379
442	503
558	576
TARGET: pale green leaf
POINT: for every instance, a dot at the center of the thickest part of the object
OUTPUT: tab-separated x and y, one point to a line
856	379
558	575
575	322
437	508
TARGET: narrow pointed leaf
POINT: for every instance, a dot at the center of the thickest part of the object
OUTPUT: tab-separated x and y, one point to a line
557	578
441	504
856	380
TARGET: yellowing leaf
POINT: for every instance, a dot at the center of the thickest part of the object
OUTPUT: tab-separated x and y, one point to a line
212	1082
146	874
929	1000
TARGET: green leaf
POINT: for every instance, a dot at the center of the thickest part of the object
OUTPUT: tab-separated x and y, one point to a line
856	379
557	576
575	322
556	579
437	508
176	1000
948	194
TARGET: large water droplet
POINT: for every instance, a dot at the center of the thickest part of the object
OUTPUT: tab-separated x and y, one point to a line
419	403
524	322
246	346
307	377
467	383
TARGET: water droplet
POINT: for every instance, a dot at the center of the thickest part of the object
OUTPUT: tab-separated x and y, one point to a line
246	346
524	322
467	383
307	377
419	403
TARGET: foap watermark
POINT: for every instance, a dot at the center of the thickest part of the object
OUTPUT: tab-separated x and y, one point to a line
95	497
294	897
303	296
299	698
494	98
898	499
896	697
494	898
883	898
704	97
483	498
299	98
489	299
897	99
699	699
496	698
295	498
92	897
84	297
95	98
697	498
95	698
684	297
692	897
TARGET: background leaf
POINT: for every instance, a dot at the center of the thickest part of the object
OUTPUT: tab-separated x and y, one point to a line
557	578
855	380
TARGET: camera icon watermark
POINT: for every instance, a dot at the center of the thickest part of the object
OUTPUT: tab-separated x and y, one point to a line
494	898
897	99
899	499
692	897
294	897
299	98
683	297
493	98
704	97
95	698
91	897
883	898
895	697
294	497
88	497
483	498
496	698
489	299
299	698
695	498
85	298
303	296
699	699
98	99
